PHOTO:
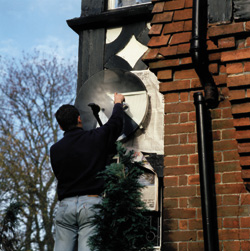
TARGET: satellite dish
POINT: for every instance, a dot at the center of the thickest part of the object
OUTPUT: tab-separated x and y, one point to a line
97	94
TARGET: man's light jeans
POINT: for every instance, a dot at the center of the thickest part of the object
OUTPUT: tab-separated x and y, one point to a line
72	223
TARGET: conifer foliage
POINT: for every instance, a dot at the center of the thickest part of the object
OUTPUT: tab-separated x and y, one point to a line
119	221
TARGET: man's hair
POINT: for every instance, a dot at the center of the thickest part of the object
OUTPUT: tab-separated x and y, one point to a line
67	116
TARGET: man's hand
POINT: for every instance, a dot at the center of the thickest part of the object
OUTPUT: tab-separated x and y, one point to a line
118	98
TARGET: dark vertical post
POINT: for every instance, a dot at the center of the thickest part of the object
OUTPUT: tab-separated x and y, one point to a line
209	218
91	44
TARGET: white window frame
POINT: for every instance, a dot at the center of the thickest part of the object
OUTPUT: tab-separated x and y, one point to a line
112	4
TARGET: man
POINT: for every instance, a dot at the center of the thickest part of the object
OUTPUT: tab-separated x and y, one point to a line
76	160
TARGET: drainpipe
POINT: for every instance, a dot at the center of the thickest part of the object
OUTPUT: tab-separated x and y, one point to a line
208	203
198	52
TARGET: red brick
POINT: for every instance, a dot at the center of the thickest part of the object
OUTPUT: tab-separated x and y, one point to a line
193	179
183	48
228	42
217	156
195	224
214	56
171	98
185	74
233	234
183	182
245	222
242	122
181	128
244	147
245	160
225	92
172	236
164	75
179	149
211	45
150	54
176	85
180	192
245	134
183	202
174	5
170	161
179	107
231	245
180	38
241	108
245	246
171	140
229	188
225	145
194	202
231	223
184	97
157	41
158	7
227	166
192	116
225	29
185	61
165	17
182	15
248	26
164	63
186	213
231	177
237	94
193	159
170	203
245	199
245	174
188	25
183	224
171	181
155	29
231	200
228	134
189	4
213	68
240	80
195	246
234	68
196	83
230	155
172	118
222	124
221	79
247	66
222	69
247	42
216	114
226	211
179	170
173	27
168	51
235	55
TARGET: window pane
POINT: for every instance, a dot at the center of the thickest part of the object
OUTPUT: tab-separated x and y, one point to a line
113	4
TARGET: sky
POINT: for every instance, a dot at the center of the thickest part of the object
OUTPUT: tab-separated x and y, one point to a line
26	25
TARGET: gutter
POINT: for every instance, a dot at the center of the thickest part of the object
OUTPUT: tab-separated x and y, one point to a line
198	52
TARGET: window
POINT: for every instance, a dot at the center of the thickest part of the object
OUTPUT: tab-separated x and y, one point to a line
114	4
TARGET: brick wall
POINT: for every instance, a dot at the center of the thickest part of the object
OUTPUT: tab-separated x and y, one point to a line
229	57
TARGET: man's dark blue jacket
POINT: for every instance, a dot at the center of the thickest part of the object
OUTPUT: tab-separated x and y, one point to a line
80	155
